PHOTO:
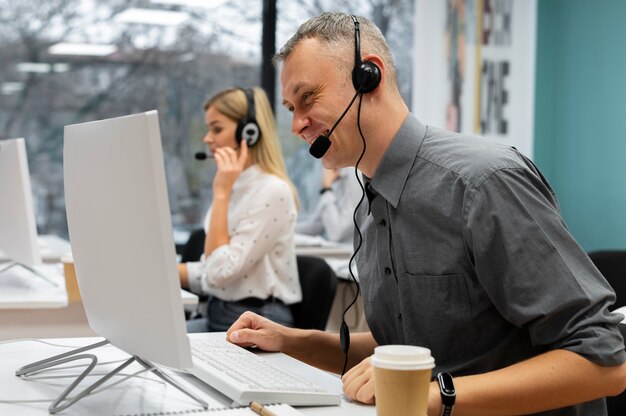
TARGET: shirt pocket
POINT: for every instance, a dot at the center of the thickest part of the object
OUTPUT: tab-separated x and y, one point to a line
437	314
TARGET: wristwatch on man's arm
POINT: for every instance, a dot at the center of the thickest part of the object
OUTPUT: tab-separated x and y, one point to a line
448	394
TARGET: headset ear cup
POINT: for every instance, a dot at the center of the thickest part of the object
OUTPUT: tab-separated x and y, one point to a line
247	128
249	131
366	77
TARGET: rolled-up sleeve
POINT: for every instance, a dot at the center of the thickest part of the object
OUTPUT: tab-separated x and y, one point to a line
534	271
194	276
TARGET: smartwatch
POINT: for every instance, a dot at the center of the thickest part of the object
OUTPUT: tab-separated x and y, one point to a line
448	394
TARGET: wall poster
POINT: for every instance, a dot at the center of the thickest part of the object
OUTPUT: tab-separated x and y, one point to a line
474	67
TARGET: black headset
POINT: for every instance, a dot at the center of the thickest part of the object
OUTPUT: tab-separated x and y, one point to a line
365	78
365	75
248	128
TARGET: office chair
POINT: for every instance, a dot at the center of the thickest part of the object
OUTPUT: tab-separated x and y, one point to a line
192	251
194	247
616	406
319	284
612	265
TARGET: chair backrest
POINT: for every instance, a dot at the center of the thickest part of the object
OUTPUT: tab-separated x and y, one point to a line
616	406
192	251
612	265
319	284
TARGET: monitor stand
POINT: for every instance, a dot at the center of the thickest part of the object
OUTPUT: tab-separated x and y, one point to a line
62	402
30	269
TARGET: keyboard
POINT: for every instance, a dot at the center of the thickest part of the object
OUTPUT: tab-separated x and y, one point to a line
244	376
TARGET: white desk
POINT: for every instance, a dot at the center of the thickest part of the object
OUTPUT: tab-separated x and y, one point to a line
343	251
21	289
51	248
139	395
30	307
336	255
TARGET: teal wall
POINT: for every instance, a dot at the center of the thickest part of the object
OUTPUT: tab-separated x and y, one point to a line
580	115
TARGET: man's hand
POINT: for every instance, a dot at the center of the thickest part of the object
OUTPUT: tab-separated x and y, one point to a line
358	383
251	329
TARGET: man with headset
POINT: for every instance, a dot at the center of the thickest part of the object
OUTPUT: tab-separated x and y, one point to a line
463	250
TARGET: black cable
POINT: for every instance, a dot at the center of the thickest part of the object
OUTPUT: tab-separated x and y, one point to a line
344	330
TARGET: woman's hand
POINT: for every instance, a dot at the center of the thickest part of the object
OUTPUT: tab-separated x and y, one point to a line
229	167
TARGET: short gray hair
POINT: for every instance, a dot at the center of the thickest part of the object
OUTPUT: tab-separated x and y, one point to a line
337	29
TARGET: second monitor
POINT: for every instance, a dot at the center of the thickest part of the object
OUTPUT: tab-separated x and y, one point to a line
18	232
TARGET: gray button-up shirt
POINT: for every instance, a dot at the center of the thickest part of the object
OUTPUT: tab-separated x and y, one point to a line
465	252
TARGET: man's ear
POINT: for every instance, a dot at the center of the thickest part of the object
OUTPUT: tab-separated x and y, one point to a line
382	69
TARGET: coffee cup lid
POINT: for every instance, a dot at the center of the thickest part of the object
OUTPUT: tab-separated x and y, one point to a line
67	258
402	357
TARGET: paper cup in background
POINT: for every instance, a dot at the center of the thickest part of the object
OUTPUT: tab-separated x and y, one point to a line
71	285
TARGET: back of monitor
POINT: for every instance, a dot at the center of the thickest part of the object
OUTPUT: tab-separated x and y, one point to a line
121	236
18	231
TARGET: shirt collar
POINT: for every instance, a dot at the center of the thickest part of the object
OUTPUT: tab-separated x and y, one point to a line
395	166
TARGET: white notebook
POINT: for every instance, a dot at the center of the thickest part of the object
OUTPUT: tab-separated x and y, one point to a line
277	409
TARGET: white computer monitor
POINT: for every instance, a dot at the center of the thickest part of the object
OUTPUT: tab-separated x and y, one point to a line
121	236
18	230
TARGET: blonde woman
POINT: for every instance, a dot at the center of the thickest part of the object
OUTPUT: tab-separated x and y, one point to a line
249	260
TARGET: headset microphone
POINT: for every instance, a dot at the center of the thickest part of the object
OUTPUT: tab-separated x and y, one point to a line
319	147
322	143
202	156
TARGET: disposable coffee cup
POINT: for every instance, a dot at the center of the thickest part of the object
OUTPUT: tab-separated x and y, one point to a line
402	375
71	285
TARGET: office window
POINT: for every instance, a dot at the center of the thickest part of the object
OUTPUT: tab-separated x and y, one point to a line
71	61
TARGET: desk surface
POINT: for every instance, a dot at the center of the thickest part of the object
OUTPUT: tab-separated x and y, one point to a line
31	307
316	245
51	248
143	394
334	251
337	255
21	289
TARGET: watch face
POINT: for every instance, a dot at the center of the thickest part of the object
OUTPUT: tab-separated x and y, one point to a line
445	384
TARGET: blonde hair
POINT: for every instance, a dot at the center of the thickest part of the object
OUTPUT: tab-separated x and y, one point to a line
233	104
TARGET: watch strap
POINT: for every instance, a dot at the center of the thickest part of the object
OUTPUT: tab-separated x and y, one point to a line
448	393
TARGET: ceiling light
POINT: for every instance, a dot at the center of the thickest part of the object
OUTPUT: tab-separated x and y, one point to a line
12	87
84	49
151	17
35	67
61	67
186	57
